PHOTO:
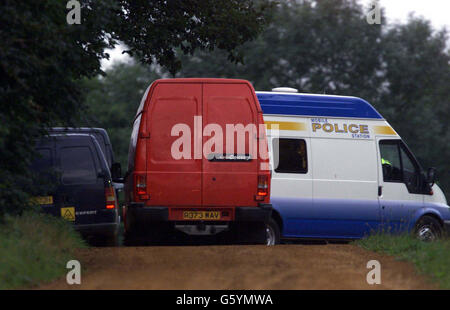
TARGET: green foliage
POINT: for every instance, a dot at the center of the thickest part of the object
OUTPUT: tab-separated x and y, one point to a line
315	46
40	57
328	47
188	25
416	100
35	248
42	60
113	100
430	258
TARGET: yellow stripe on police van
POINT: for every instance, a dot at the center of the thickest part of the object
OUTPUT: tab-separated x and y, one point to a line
384	130
295	126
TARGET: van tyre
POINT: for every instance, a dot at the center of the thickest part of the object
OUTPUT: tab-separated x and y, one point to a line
132	238
428	229
111	241
153	234
273	233
251	233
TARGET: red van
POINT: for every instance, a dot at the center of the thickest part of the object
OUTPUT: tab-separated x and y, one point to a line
198	162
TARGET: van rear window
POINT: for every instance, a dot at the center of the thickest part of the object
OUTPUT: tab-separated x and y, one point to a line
290	155
77	165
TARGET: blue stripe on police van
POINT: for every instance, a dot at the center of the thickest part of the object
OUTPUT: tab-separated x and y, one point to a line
316	105
343	218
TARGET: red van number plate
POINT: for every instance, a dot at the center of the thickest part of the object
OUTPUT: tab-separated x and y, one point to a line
201	215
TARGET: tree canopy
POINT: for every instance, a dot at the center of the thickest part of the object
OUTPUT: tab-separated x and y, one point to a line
43	58
328	47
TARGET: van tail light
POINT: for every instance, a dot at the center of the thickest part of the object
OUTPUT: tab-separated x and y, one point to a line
140	182
110	197
263	187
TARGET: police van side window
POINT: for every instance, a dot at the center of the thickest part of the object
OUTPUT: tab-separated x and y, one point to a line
290	155
399	166
77	165
411	175
390	161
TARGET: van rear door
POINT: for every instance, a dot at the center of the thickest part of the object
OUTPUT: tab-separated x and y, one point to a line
229	175
173	173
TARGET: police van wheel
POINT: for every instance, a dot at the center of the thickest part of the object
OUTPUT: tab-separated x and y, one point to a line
428	229
272	233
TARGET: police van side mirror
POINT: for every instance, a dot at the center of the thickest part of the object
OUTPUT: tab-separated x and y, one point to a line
116	173
431	176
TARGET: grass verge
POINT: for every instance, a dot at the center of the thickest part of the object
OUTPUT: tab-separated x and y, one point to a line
35	248
430	258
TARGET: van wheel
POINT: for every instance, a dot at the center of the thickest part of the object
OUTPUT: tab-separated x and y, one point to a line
251	233
272	233
132	238
428	229
155	235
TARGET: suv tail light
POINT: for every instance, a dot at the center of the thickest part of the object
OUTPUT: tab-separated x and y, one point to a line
140	183
263	187
110	197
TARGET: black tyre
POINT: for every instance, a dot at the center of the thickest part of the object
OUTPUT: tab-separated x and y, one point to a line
250	233
154	234
428	228
110	241
273	233
132	238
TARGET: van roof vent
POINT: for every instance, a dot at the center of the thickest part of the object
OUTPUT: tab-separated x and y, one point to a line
285	90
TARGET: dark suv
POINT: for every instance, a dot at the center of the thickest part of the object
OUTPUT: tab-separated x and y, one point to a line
81	188
105	144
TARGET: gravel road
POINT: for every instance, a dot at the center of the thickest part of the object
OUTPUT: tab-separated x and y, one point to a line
293	266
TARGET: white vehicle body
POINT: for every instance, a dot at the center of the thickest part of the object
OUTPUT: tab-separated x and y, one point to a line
356	175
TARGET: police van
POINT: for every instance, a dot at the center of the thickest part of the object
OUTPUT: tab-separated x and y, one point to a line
340	171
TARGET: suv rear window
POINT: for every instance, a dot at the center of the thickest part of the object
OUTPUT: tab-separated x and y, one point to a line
77	164
43	160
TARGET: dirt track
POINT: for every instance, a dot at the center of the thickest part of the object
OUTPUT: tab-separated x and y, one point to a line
239	267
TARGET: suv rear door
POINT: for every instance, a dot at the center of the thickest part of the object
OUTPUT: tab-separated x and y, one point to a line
82	185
